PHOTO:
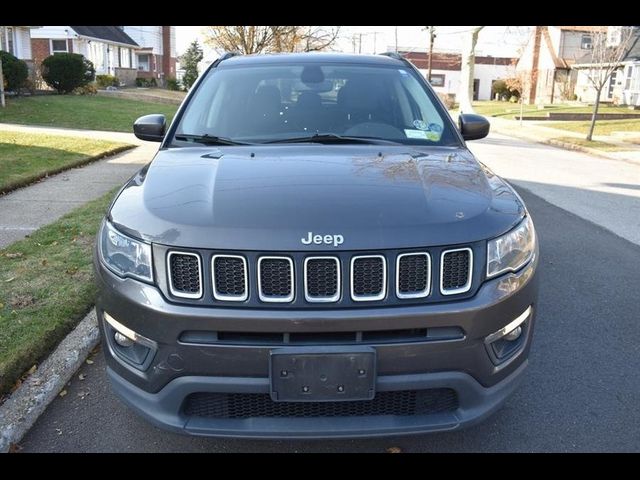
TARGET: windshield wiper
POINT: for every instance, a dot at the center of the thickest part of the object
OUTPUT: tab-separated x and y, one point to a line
207	139
329	138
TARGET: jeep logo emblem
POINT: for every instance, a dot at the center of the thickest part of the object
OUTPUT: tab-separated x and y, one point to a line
334	240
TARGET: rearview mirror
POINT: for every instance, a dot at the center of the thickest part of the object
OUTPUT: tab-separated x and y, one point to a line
473	127
150	127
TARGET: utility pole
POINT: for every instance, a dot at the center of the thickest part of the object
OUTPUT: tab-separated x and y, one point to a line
432	37
360	43
1	87
396	32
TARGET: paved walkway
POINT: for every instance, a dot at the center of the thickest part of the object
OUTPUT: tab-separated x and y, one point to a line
543	134
29	208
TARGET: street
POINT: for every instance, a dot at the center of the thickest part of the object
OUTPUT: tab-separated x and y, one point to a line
581	391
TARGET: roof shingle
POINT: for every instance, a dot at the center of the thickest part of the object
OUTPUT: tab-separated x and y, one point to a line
112	34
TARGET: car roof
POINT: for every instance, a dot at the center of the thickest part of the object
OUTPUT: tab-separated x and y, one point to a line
310	57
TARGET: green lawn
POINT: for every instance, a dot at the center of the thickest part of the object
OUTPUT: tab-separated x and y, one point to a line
46	288
603	127
506	109
92	112
27	157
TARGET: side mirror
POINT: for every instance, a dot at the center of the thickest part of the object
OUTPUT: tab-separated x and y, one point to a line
473	126
150	127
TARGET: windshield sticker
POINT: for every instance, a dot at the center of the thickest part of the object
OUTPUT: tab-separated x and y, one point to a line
421	125
403	72
421	134
434	127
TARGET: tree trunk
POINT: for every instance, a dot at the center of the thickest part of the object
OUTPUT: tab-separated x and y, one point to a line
595	114
466	74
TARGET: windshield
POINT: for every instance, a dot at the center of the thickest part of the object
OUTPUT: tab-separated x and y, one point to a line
272	103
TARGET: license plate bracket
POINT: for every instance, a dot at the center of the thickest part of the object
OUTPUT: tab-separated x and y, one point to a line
322	374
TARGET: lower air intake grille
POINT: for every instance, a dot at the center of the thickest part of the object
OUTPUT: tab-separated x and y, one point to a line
255	405
276	279
184	272
368	277
456	267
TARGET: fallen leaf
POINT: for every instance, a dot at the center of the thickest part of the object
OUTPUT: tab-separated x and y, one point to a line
82	376
1	305
82	394
14	448
44	262
10	279
394	450
58	431
89	362
32	370
62	393
13	255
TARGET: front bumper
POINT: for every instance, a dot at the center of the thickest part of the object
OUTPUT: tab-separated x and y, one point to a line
175	370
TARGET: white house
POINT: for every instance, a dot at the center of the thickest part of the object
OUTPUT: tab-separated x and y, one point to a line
110	49
446	67
156	57
17	41
624	84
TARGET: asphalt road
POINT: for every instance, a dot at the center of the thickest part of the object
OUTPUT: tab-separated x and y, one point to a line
580	393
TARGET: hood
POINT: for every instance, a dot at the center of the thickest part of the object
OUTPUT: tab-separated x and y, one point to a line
272	197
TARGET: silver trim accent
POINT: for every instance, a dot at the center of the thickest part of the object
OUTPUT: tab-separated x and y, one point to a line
183	294
467	286
226	297
335	297
264	298
509	327
127	332
421	294
369	298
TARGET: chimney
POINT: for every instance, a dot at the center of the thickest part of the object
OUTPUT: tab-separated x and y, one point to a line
168	64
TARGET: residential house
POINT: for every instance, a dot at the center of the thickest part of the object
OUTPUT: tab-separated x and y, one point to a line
623	87
545	64
17	41
110	49
124	51
156	57
446	71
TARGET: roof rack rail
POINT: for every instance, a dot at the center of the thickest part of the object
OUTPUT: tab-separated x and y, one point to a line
227	55
395	55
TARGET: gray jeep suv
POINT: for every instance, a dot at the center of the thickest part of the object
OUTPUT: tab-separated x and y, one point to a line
314	252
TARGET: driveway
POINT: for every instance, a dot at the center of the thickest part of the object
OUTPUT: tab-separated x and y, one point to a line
581	390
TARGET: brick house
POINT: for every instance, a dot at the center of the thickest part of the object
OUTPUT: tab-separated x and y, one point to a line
126	52
446	71
545	63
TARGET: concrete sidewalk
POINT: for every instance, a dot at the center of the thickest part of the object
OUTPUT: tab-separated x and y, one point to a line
29	208
542	134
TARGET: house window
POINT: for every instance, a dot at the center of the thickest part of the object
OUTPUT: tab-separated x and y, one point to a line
586	44
143	62
437	80
59	46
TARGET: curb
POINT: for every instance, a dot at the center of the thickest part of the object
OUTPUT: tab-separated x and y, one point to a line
21	410
566	146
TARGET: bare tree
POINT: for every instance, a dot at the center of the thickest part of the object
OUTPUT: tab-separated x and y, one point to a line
264	39
465	96
606	57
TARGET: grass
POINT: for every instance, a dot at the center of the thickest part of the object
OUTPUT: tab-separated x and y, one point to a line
92	112
46	288
603	127
27	157
604	146
506	109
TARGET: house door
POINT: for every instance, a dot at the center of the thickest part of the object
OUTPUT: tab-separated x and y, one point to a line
612	84
476	88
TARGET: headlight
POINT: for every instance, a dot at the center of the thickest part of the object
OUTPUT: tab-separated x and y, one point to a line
512	250
125	256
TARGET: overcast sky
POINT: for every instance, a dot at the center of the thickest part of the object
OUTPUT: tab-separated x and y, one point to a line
495	40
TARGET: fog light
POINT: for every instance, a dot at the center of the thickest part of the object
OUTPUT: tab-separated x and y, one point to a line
513	334
122	340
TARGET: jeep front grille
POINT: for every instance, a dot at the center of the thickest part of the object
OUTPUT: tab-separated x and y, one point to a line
455	271
185	278
303	280
275	279
368	278
229	278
